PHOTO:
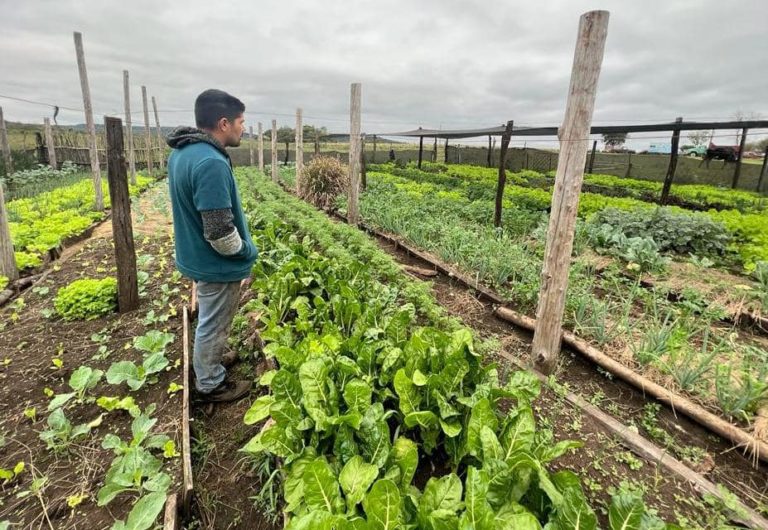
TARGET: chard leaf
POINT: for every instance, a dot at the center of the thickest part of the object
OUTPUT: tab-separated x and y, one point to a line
355	479
383	506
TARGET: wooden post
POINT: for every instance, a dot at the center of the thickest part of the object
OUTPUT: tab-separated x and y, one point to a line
274	151
7	257
129	127
573	134
89	123
363	170
373	158
489	151
421	149
6	145
353	214
629	165
49	143
250	144
506	137
672	163
434	151
445	155
739	155
299	149
592	157
160	142
122	228
525	152
317	142
261	148
147	131
763	171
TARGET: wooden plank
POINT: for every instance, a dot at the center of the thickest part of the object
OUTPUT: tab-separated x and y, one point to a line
186	446
593	29
502	172
129	127
7	257
90	126
147	130
740	154
250	146
275	173
171	516
353	193
122	227
261	149
299	150
6	145
160	141
670	176
49	143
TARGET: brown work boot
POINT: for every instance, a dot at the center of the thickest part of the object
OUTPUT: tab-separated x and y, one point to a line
229	359
227	391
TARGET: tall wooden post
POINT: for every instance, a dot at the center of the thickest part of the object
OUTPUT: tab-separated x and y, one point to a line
7	257
261	148
573	134
421	149
434	151
129	127
274	151
445	155
49	143
147	131
670	176
122	227
6	145
506	137
317	142
363	169
250	144
299	150
355	101
739	155
592	157
89	123
373	158
160	141
489	151
763	171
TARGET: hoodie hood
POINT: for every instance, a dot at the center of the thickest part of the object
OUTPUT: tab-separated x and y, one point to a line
183	136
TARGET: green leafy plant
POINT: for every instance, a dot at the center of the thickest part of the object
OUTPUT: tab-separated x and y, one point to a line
86	299
135	376
60	433
153	341
81	381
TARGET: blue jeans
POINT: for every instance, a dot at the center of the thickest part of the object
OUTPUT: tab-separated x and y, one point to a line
217	305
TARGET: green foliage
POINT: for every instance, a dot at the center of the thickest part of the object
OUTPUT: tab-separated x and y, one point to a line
640	252
135	376
60	433
3	282
153	341
81	381
86	299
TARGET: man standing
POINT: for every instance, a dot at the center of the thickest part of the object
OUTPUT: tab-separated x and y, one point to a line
213	244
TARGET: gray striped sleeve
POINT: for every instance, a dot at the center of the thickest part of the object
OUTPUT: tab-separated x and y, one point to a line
220	232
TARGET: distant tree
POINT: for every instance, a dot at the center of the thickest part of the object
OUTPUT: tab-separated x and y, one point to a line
614	140
286	135
698	138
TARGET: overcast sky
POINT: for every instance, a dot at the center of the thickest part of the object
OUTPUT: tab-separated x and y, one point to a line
430	63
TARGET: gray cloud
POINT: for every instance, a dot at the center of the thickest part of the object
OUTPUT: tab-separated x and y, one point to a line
434	63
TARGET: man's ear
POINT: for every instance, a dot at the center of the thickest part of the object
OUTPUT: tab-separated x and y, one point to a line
222	124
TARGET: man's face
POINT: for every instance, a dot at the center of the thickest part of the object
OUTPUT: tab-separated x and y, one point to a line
232	131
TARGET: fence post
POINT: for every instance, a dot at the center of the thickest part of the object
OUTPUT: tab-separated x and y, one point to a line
629	166
363	169
299	149
373	158
355	102
506	137
763	171
592	157
89	123
147	131
129	127
739	155
250	144
49	143
489	151
672	163
274	151
445	155
7	257
587	61
421	149
160	142
261	148
6	146
122	228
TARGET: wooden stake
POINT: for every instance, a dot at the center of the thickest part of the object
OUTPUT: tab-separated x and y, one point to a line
250	144
89	123
299	150
373	158
592	157
49	143
122	227
587	61
763	171
160	141
7	257
147	131
6	145
363	170
739	155
434	151
445	155
421	149
274	151
186	442
353	214
261	149
129	127
506	137
670	176
489	151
